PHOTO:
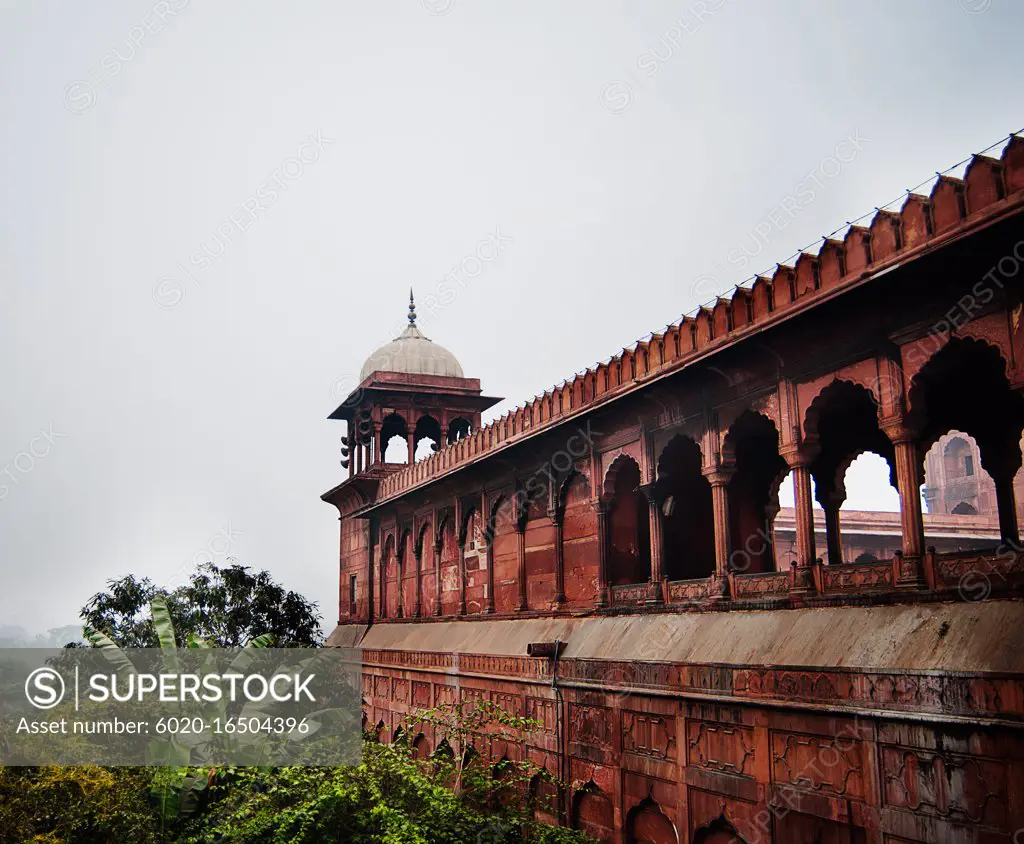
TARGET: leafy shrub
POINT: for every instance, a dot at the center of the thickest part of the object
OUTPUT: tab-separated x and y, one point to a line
76	806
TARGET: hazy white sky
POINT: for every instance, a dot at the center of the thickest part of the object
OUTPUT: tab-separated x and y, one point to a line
306	163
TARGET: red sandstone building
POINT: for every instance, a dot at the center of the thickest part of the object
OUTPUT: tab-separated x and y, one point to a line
724	674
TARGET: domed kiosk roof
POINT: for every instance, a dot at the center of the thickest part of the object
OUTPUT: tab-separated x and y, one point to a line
413	353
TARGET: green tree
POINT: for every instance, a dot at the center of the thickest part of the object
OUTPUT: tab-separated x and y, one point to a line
225	606
392	797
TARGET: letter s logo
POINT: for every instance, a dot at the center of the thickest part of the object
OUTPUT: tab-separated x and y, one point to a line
41	688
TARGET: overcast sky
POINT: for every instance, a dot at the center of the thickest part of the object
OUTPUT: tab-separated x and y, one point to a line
167	372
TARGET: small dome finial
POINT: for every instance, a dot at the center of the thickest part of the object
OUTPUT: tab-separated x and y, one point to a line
412	308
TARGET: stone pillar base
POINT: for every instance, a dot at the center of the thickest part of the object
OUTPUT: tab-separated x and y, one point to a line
908	572
655	595
719	588
801	580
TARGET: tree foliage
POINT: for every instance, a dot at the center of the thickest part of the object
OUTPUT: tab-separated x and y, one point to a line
226	606
391	797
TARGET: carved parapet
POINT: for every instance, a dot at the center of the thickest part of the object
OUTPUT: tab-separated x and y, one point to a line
689	591
631	595
855	578
774	584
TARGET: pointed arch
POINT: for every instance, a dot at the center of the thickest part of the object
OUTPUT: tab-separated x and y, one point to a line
427	428
751	449
619	464
628	534
508	790
458	429
688	533
593	812
421	747
571	477
394	427
843	421
646	823
469	514
503	501
964	387
718	831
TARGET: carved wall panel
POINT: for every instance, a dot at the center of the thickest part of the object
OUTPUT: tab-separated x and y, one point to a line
963	788
828	765
469	697
726	748
510	704
421	694
444	695
649	735
543	712
591	725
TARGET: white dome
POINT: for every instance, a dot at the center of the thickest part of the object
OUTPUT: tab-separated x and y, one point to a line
413	353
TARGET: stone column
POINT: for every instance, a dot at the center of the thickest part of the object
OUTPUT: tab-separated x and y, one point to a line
804	522
378	452
804	516
438	548
489	543
419	582
521	558
833	534
369	577
603	586
557	519
462	578
1006	502
655	595
719	479
908	483
400	567
411	439
356	459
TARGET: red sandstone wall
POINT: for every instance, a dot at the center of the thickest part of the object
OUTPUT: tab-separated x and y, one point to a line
449	572
391	583
355	539
579	544
665	769
408	575
506	562
540	555
427	565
